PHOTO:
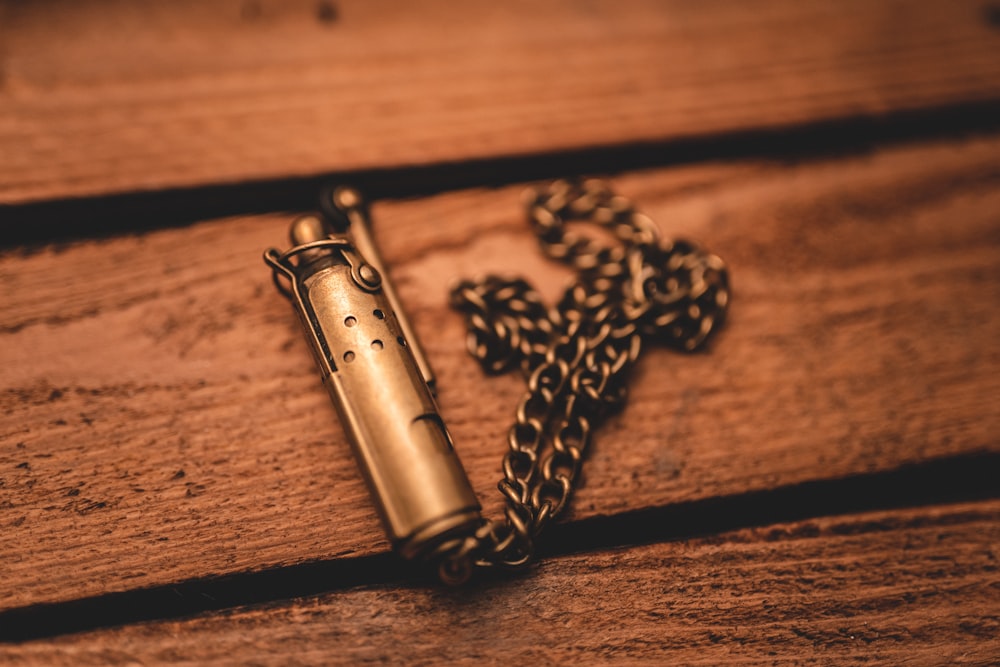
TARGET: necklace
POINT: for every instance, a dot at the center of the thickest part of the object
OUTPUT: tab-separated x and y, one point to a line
575	357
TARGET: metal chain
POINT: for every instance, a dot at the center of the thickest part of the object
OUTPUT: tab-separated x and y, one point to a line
576	356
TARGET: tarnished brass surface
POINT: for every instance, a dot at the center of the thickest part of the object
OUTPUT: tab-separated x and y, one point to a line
369	367
349	202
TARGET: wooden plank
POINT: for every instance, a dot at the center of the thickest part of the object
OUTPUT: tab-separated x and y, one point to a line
189	93
904	587
161	419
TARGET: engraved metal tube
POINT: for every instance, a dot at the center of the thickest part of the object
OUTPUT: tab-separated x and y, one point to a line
367	362
348	201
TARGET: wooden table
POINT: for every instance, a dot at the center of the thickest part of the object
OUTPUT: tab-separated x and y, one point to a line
820	485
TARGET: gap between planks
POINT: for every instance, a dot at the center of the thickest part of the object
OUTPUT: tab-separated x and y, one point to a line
914	586
38	223
933	482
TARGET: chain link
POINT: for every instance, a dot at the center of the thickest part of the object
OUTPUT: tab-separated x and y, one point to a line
576	356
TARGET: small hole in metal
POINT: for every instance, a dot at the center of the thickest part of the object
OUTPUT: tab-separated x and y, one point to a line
350	321
348	356
376	345
379	314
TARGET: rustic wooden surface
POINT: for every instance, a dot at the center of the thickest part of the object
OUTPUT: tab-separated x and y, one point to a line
165	447
880	588
105	97
168	405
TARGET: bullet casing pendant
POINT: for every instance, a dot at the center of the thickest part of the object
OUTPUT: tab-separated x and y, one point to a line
379	382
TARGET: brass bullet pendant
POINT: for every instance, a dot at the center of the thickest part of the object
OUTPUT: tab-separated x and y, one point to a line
380	383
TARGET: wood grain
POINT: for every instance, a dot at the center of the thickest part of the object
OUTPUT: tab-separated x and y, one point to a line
915	587
103	97
161	420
